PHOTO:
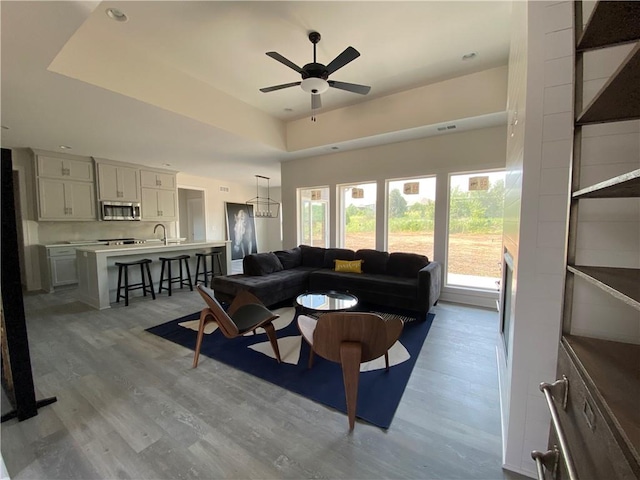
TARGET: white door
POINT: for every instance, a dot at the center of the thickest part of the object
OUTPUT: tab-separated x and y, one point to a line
195	219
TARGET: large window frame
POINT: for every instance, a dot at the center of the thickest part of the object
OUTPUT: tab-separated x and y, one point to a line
426	188
370	189
479	283
308	197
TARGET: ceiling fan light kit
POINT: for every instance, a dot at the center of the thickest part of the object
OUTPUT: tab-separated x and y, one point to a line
315	76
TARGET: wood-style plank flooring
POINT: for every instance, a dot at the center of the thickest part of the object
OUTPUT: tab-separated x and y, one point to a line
131	407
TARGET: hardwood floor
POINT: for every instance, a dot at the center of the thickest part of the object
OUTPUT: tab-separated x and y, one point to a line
130	406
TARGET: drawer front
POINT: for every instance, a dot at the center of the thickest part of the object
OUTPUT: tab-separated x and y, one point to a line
61	251
595	451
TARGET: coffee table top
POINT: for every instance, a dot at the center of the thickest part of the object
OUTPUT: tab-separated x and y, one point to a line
327	301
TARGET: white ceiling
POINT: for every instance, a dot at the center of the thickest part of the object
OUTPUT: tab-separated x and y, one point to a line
222	45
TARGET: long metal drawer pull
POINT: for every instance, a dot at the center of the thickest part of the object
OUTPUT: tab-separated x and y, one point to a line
548	460
562	387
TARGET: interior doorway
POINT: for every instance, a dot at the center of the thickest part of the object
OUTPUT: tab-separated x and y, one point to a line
191	214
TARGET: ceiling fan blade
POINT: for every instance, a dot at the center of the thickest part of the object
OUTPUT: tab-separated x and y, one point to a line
279	87
285	61
350	87
349	55
315	101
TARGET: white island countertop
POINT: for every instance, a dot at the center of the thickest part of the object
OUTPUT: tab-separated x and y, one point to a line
98	274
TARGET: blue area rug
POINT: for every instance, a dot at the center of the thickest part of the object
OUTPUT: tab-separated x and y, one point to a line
379	392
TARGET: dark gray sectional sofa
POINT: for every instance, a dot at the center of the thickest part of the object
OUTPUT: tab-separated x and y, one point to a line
401	280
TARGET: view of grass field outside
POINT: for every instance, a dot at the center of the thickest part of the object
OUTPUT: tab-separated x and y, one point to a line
358	203
314	216
411	212
474	252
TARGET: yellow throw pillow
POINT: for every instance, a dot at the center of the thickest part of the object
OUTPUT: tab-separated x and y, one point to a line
351	266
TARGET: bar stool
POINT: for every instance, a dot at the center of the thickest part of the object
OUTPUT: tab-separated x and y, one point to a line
166	261
215	256
124	267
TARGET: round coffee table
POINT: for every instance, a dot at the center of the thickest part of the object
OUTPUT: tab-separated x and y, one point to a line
324	302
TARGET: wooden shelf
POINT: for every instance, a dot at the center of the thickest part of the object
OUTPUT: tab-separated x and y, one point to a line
619	98
611	23
612	373
622	283
626	185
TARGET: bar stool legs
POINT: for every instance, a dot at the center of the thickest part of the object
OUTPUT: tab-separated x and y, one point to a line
123	268
182	279
206	273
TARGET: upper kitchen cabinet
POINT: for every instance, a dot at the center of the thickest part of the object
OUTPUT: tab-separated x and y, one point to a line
66	189
159	195
158	179
118	182
65	168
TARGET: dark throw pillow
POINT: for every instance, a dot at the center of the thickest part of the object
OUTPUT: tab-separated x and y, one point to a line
261	264
312	256
291	258
406	264
373	261
331	254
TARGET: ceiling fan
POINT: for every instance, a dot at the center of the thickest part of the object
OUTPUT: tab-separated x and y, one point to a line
315	76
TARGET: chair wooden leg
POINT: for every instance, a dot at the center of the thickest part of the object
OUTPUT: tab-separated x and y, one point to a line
386	360
204	319
271	333
310	364
350	355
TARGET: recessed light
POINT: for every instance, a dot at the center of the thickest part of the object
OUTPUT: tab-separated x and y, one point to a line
117	15
65	147
470	56
166	164
4	127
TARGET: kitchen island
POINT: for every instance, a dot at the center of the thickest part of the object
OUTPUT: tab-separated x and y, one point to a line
98	274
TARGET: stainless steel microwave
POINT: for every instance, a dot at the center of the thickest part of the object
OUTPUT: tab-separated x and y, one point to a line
119	210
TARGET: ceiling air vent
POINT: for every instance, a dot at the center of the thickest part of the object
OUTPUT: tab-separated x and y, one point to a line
450	127
224	189
442	129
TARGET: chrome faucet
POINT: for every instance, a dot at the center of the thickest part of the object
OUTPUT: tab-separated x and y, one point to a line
164	232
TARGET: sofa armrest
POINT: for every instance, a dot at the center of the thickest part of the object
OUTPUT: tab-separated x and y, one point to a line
430	284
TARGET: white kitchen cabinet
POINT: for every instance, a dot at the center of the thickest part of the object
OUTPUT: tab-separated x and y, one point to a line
157	179
159	204
116	182
65	168
64	200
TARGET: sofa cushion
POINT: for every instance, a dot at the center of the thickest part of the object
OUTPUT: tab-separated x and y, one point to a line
291	258
312	256
352	266
331	254
261	264
406	264
373	261
379	286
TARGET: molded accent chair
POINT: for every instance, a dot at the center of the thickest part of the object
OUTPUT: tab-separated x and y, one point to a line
245	314
350	338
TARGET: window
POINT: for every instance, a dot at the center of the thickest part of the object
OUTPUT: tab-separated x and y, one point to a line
410	214
474	247
358	216
313	222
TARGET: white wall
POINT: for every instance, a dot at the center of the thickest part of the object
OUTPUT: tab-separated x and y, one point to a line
267	230
482	149
538	162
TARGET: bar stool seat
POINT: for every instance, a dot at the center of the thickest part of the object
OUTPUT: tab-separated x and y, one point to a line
123	267
166	262
208	273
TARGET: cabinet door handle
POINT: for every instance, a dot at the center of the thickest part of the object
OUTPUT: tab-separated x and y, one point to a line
562	388
548	460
